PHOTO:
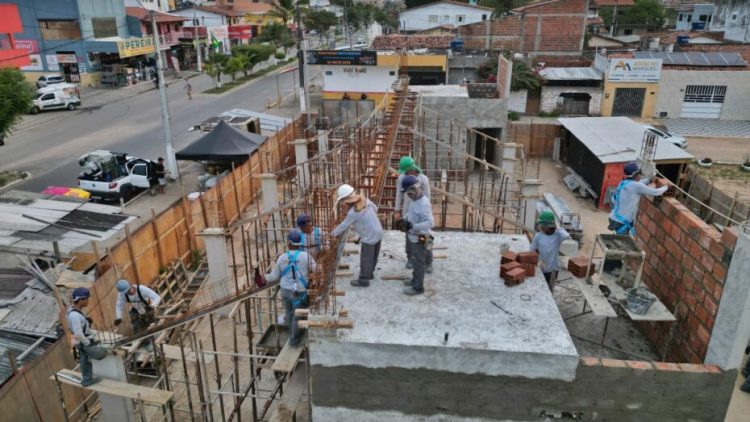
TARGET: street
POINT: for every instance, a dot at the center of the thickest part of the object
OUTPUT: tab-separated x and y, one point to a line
49	144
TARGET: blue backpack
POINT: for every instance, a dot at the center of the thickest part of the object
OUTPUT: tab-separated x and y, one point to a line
301	298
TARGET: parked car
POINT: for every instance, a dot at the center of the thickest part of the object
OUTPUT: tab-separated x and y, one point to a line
46	80
663	135
109	176
57	96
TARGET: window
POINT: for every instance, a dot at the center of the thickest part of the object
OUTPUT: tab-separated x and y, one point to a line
679	17
734	16
392	73
446	18
460	18
60	30
703	18
48	97
140	170
104	27
484	17
690	18
628	32
432	19
329	73
196	22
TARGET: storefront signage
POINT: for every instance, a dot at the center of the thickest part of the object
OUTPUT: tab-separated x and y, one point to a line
135	47
343	57
67	58
634	70
52	62
30	45
219	32
35	63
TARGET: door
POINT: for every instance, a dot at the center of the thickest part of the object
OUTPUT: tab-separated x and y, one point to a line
139	176
703	101
628	101
533	101
575	103
49	101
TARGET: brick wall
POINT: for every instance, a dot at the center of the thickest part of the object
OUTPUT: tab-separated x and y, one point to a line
686	266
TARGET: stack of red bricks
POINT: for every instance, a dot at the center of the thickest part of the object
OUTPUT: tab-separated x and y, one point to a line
515	267
578	265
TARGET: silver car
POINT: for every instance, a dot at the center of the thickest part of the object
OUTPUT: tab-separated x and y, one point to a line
46	80
663	135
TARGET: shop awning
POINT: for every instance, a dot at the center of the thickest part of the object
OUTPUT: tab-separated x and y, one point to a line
223	143
103	45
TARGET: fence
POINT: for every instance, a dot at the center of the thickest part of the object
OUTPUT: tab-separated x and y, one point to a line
538	139
713	201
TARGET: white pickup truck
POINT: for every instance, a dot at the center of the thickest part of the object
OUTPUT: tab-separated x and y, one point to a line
109	176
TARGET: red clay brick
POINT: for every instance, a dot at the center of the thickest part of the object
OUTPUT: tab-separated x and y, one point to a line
695	251
720	271
675	232
515	276
528	257
717	250
705	241
590	361
507	267
713	369
701	313
703	335
639	364
530	269
689	367
508	256
666	366
729	237
708	261
710	305
613	363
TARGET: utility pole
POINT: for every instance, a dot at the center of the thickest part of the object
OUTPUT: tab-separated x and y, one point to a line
171	161
196	42
304	101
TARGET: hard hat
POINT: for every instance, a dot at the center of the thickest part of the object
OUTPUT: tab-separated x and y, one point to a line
122	285
303	220
295	237
407	163
344	192
408	182
546	218
80	293
631	168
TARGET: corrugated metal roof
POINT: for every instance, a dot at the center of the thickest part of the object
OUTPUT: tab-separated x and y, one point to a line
570	74
617	139
693	58
17	344
33	309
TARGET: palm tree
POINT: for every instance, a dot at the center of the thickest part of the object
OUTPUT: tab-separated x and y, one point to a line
282	9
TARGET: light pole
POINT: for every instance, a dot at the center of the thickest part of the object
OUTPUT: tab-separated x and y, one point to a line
171	161
304	101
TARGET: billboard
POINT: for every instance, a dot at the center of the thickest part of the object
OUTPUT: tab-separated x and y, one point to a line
135	47
343	57
634	70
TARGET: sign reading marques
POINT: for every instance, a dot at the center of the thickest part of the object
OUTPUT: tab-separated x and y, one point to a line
634	70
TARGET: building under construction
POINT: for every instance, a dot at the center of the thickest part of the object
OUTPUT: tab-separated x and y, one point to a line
471	348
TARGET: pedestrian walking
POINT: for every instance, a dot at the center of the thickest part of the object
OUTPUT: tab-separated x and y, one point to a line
83	336
362	217
417	224
161	174
188	89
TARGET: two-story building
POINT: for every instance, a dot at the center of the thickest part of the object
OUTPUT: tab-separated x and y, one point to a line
444	12
12	53
694	17
169	27
207	23
733	18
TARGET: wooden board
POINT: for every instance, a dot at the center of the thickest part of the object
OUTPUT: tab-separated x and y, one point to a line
287	360
120	389
599	304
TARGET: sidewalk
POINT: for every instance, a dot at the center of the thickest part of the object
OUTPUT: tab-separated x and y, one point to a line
89	93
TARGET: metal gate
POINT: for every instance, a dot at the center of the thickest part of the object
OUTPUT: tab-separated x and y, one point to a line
575	104
628	101
703	101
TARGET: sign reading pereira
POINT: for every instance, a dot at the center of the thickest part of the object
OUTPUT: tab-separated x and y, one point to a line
634	70
135	47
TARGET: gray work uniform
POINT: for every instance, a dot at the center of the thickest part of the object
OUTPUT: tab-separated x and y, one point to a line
629	198
403	201
83	340
294	284
366	224
420	216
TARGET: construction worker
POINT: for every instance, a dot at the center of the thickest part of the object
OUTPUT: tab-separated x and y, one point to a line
312	239
417	224
626	198
362	217
546	243
142	302
293	269
407	167
83	336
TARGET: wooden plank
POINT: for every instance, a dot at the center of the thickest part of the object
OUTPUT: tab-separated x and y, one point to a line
599	305
116	388
287	360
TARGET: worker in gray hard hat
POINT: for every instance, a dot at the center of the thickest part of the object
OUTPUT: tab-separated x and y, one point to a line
83	336
293	269
142	302
417	224
627	196
362	217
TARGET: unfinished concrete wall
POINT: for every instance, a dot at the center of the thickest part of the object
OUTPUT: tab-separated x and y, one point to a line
686	267
603	390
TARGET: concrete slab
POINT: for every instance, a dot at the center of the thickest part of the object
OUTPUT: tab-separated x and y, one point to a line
322	413
527	338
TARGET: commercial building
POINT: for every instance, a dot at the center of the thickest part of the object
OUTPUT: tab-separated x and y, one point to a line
12	52
169	28
630	85
440	13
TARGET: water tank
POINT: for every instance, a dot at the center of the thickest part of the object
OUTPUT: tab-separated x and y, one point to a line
683	39
457	45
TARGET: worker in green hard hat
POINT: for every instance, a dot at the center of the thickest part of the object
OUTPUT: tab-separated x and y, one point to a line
546	243
408	167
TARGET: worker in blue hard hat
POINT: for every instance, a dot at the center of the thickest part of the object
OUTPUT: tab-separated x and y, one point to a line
142	301
312	236
417	224
293	269
627	196
408	167
84	336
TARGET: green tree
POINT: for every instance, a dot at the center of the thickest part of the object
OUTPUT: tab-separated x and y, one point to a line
232	66
647	13
415	3
278	34
215	65
320	21
524	78
501	7
15	99
282	9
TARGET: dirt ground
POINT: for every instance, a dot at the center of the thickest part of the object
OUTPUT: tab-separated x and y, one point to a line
727	150
728	178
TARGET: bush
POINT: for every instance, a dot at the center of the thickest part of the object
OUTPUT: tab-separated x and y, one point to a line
514	116
553	113
280	55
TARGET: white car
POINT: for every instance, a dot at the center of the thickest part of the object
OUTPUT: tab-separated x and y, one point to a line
663	135
46	80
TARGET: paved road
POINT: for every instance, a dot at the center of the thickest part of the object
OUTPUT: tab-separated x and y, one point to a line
49	144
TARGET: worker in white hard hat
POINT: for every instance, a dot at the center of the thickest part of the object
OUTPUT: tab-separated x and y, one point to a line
142	301
83	336
362	217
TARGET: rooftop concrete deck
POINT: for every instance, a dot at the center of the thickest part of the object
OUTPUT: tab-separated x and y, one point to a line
527	339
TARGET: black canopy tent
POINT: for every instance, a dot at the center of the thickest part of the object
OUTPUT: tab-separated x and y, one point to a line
223	143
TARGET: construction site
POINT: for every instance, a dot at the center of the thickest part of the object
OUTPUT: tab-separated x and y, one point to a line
473	347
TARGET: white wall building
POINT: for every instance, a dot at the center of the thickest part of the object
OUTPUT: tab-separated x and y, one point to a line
443	12
693	14
732	17
158	5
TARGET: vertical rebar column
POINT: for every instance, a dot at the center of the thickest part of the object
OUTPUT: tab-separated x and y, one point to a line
216	365
249	333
